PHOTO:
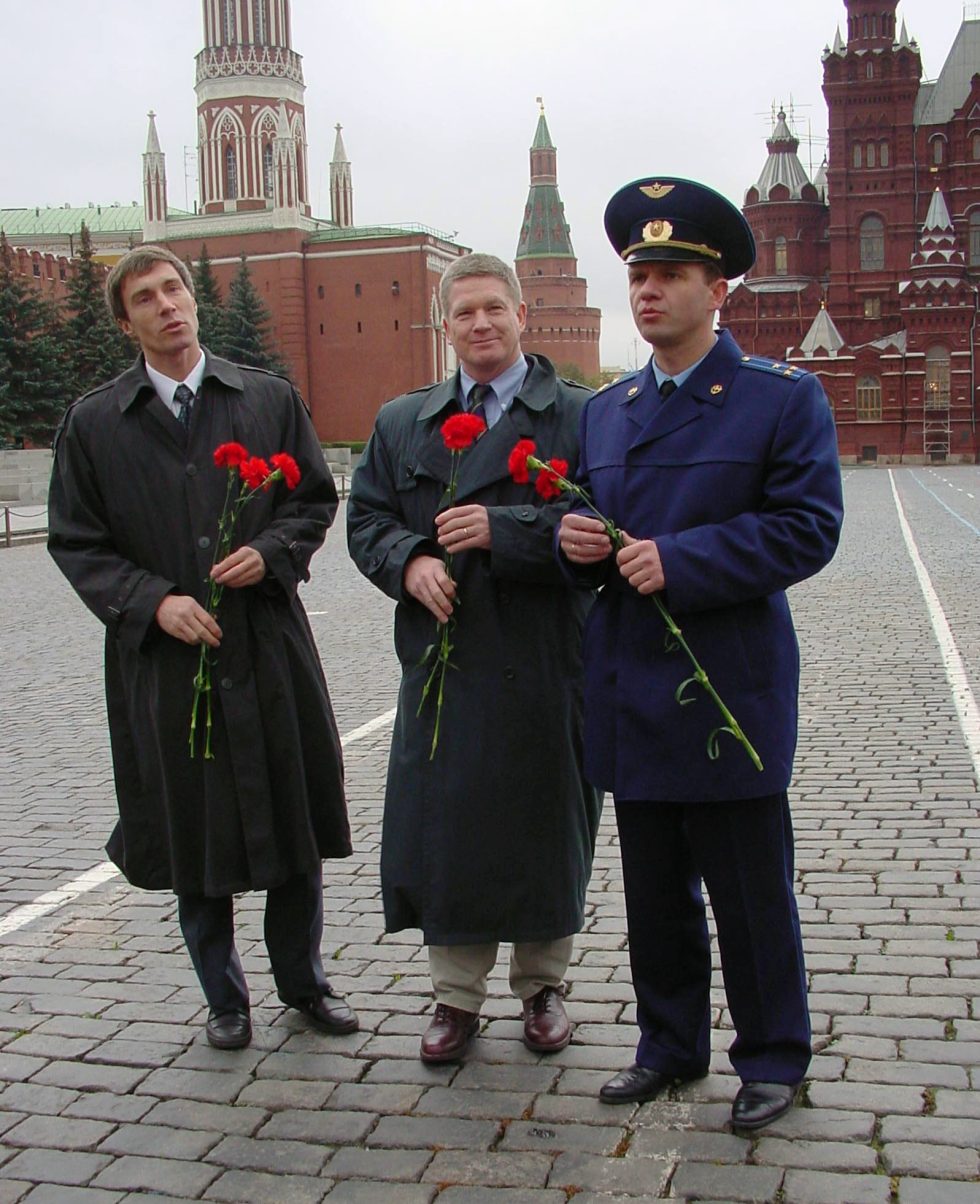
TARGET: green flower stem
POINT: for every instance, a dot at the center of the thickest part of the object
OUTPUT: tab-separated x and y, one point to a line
616	537
443	649
227	522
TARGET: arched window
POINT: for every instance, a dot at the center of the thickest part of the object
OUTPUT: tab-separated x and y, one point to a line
937	150
781	264
872	244
857	154
260	30
231	173
268	172
883	154
975	144
868	399
975	238
229	26
937	379
871	154
869	70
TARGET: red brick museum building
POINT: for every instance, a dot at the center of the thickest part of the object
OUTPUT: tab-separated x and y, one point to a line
868	274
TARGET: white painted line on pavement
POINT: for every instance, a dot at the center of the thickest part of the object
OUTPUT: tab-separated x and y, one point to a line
965	521
367	728
53	899
963	700
56	898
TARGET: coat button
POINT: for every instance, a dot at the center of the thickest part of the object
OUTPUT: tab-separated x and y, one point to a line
191	470
509	673
204	541
504	598
226	683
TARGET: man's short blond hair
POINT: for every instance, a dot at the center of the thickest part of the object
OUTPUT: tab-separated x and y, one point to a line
478	264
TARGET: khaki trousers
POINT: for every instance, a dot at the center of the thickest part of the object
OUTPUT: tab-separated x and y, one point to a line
459	972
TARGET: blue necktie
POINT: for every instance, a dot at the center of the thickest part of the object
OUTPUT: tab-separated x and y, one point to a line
185	400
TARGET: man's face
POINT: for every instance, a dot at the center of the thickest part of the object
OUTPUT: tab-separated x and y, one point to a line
673	304
484	326
160	313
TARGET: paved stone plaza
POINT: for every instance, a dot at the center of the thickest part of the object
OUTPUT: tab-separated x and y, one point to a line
108	1091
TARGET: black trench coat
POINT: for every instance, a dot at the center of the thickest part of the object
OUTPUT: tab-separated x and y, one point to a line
493	839
133	512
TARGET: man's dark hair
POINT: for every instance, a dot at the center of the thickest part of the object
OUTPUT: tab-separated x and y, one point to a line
138	262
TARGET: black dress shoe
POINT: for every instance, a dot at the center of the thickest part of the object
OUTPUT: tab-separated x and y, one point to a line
228	1030
638	1084
757	1104
329	1012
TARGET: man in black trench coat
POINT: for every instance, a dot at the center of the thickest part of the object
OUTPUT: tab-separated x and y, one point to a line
491	839
133	511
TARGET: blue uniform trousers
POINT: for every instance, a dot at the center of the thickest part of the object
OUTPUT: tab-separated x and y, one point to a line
743	851
293	929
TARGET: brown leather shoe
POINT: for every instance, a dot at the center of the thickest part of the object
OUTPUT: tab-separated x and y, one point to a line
448	1034
329	1012
546	1027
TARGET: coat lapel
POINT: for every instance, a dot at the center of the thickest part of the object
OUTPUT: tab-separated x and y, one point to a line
706	387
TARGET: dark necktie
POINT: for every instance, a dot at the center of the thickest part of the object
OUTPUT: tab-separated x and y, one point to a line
476	402
185	400
666	388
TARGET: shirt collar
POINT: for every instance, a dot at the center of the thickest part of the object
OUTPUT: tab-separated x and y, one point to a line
166	386
677	377
506	386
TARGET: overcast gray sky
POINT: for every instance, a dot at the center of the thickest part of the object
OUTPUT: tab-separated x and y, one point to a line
437	101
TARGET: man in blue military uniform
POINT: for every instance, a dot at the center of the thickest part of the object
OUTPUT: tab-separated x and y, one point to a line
721	471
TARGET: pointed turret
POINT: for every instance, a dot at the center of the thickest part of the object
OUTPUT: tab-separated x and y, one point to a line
823	335
545	232
783	166
936	257
154	185
341	185
560	323
820	180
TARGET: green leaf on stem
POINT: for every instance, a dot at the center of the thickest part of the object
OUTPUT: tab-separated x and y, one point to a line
679	692
714	752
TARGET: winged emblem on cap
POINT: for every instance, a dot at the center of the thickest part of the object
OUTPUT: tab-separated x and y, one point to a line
656	192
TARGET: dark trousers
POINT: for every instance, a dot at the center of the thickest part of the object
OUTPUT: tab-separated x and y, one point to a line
293	928
743	851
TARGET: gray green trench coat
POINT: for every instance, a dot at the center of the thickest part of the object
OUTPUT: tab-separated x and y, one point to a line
493	839
133	513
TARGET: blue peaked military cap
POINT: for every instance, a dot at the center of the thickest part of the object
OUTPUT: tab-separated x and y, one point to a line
669	218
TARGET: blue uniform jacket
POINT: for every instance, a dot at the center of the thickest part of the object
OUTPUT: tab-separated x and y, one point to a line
736	478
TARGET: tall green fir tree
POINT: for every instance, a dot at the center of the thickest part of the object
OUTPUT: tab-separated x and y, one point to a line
249	341
211	316
34	386
97	349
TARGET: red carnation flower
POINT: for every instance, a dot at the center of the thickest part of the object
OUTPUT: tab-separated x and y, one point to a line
517	460
547	479
230	455
254	472
461	431
288	467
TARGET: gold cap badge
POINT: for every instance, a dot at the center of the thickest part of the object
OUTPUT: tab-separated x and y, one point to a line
656	192
658	231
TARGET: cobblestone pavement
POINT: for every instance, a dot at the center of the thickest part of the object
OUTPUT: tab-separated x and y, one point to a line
108	1091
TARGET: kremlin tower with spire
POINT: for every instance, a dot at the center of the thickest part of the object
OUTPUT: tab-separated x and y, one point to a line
869	275
560	323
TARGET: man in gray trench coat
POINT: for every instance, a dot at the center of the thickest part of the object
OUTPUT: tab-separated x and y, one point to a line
492	839
133	511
